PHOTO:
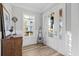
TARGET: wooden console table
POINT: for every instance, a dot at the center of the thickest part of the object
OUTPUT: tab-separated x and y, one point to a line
11	46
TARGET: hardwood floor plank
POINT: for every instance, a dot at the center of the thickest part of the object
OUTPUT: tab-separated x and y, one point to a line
39	50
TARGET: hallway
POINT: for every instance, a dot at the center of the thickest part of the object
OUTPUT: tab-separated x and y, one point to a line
39	50
23	25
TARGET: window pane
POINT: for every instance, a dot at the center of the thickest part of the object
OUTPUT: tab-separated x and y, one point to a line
26	16
28	25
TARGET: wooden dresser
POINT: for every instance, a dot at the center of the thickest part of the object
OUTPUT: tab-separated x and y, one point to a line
11	46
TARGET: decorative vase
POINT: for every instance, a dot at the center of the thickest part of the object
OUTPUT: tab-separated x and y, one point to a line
11	30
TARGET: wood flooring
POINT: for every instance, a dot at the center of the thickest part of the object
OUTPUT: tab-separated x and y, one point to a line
39	50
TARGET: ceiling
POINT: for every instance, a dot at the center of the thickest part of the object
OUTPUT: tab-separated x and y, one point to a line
36	7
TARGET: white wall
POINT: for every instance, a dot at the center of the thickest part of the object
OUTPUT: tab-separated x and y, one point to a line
19	27
54	42
75	28
72	25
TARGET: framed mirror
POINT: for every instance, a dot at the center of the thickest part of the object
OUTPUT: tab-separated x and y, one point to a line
7	21
50	25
